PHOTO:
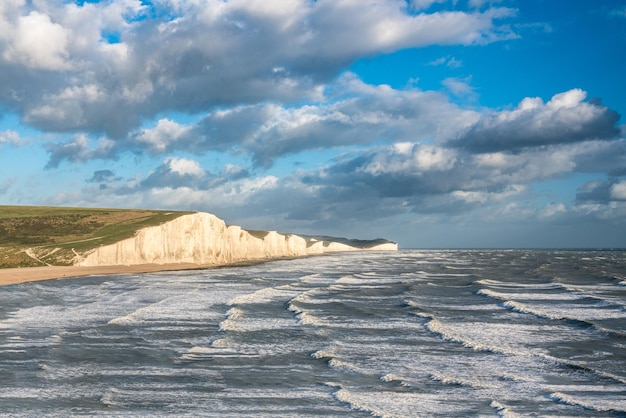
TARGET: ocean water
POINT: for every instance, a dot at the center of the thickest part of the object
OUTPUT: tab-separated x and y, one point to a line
414	333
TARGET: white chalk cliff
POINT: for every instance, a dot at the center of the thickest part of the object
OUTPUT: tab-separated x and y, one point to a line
204	239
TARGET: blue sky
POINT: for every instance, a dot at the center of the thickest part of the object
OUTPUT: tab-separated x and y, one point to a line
434	123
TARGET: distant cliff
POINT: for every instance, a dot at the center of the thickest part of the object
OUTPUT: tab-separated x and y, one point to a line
204	239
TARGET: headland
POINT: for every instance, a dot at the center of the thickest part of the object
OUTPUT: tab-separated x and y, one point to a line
44	243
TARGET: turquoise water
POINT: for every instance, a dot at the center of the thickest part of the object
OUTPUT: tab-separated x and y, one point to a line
412	333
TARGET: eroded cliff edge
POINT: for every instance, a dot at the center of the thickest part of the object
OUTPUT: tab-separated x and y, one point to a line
204	239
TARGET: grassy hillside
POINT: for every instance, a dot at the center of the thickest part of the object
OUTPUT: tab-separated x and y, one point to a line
39	235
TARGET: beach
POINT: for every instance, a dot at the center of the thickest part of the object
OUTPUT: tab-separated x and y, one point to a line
34	274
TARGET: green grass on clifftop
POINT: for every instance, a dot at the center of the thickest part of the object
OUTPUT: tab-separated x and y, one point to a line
41	235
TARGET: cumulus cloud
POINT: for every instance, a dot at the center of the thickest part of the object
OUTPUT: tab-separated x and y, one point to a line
354	114
618	191
36	42
176	172
566	118
104	67
165	135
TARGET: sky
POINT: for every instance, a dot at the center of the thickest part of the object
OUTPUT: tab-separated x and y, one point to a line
432	123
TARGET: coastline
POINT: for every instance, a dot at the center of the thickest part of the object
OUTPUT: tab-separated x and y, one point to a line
19	275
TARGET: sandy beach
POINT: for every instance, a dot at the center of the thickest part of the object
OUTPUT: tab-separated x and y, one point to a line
33	274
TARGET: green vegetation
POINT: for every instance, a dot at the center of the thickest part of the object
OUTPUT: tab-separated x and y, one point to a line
39	235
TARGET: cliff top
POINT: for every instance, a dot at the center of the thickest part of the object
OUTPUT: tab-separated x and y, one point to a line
32	236
64	230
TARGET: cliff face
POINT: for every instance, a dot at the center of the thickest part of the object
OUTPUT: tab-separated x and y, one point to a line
204	239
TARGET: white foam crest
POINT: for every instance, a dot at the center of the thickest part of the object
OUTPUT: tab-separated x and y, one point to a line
303	317
261	295
504	411
306	318
336	363
557	312
308	296
412	304
322	354
349	279
310	278
517	285
109	398
395	404
247	324
356	403
439	328
522	308
130	319
457	381
390	377
180	306
596	291
344	365
603	404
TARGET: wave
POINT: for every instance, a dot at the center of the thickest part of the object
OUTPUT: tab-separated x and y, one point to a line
303	317
587	291
504	411
231	316
109	398
600	405
349	279
335	363
390	377
582	315
516	285
356	403
260	296
437	327
457	381
130	319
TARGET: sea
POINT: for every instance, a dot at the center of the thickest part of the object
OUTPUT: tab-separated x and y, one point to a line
413	333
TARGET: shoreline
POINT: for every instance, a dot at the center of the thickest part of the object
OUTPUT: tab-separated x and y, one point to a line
17	275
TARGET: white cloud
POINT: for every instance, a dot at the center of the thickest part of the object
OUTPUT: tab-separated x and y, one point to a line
185	167
163	135
209	53
618	191
568	99
38	43
566	118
